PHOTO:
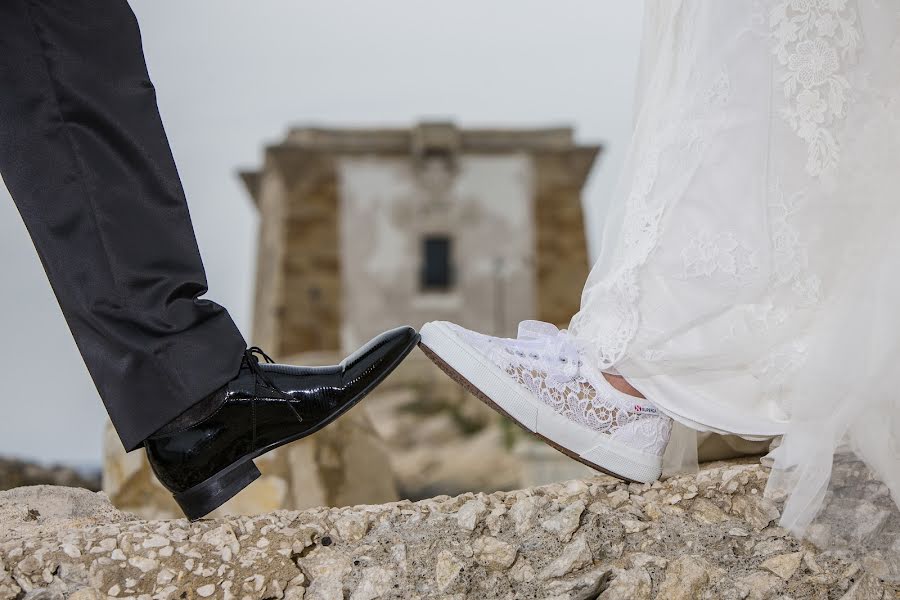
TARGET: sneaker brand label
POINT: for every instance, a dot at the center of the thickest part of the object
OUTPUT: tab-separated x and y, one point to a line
648	410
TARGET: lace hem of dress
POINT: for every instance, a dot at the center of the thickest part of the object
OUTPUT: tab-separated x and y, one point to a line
813	41
682	140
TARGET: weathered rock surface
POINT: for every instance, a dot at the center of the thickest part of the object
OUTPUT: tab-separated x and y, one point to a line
705	536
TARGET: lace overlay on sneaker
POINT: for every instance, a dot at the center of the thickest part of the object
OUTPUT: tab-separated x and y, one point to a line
548	363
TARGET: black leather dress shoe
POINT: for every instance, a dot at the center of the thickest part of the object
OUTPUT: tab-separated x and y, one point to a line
266	406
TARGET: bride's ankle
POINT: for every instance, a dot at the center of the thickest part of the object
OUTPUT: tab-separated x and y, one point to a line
621	384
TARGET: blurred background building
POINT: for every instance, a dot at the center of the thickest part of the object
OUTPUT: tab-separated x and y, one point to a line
229	74
365	229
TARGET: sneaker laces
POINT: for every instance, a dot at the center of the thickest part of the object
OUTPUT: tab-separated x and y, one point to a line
552	367
554	342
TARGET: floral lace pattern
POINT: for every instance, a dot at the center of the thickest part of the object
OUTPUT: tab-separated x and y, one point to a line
708	254
800	288
790	254
682	141
813	38
548	363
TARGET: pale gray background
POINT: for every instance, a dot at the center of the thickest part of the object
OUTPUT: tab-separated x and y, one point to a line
232	75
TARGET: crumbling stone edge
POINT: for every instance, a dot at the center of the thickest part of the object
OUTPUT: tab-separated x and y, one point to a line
709	535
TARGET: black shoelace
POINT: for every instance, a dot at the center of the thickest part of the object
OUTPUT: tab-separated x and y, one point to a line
258	372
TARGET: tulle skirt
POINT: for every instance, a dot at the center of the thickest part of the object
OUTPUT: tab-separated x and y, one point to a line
749	281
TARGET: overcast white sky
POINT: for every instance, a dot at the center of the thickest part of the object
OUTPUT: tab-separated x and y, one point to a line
232	75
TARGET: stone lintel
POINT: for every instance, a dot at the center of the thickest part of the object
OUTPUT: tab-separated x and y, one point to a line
406	140
572	166
294	154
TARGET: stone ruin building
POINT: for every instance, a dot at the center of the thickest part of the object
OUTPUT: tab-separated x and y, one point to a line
361	230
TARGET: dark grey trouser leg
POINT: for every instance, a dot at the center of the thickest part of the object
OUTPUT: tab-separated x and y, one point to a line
85	157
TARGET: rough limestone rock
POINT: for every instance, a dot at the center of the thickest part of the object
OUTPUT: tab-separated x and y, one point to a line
710	536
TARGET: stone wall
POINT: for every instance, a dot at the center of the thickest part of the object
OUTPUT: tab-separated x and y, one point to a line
344	212
482	204
298	301
561	246
712	535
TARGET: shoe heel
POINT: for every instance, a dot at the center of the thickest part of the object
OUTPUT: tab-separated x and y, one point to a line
205	497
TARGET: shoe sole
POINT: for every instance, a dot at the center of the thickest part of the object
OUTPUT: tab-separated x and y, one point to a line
198	501
488	383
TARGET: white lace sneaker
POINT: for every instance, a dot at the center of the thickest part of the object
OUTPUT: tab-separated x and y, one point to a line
540	381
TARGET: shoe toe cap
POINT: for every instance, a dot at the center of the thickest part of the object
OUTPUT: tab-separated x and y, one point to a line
385	349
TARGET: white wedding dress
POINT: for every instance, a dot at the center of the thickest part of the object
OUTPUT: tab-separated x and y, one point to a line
749	281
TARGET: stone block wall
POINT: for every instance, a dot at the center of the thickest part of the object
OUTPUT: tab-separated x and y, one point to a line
561	245
343	213
298	300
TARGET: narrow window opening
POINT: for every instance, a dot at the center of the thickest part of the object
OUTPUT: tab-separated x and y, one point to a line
437	272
